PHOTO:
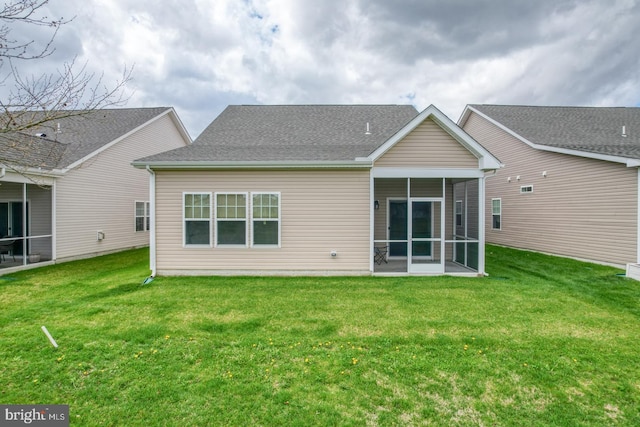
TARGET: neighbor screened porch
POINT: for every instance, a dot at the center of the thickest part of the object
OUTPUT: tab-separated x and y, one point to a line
428	226
25	224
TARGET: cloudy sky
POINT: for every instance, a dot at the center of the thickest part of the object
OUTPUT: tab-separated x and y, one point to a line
199	56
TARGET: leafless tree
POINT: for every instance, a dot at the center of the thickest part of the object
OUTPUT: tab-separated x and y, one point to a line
30	100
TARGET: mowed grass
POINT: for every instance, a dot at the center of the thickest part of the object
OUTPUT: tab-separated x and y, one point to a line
543	341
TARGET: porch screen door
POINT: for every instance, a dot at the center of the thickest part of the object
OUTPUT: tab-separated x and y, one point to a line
426	229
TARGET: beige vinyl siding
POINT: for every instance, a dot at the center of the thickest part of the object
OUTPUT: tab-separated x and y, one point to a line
583	208
428	145
100	194
321	211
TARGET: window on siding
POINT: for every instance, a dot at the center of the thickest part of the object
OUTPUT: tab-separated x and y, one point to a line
197	219
231	219
265	219
459	213
526	189
496	214
142	216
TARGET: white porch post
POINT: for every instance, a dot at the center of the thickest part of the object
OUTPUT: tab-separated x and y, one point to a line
24	224
54	231
638	221
481	225
372	213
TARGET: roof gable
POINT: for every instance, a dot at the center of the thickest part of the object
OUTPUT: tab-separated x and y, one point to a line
595	132
486	160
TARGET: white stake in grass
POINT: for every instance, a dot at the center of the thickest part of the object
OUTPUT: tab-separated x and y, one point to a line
50	337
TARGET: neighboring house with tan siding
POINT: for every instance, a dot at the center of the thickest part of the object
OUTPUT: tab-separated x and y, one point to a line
68	190
321	190
569	185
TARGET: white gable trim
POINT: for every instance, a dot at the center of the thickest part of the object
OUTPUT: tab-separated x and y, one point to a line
486	161
105	147
399	172
616	159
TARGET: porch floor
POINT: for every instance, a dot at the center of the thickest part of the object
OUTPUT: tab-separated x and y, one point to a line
8	262
400	266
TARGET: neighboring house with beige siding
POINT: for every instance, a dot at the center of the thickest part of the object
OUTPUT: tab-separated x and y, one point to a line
569	185
68	190
320	190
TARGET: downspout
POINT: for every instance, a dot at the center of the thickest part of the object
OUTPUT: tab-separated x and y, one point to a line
152	231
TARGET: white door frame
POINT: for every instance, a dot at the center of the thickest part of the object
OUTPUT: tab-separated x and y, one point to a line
431	267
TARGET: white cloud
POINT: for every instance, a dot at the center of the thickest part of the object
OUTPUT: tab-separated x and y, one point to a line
201	55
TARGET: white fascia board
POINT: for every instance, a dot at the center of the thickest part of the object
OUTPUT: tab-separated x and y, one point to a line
607	158
378	172
253	165
178	122
486	159
126	135
28	177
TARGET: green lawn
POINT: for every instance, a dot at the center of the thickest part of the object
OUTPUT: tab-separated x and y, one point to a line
543	341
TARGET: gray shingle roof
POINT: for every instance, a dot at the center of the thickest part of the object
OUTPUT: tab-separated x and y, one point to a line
270	133
589	129
79	136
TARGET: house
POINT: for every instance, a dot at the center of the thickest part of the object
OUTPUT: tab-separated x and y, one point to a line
321	190
67	188
569	185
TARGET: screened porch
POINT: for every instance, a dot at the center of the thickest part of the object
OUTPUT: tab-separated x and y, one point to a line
427	226
25	224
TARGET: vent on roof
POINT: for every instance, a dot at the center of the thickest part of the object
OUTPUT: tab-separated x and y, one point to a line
368	132
624	131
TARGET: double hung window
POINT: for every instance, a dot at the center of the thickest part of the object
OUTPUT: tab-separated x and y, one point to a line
239	219
197	218
496	214
142	216
231	219
265	219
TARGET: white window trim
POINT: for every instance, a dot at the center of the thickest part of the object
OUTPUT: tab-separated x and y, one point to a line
146	216
246	219
522	189
460	213
184	220
499	214
252	219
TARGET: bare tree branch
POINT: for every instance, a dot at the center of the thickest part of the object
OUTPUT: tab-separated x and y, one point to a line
26	12
31	101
